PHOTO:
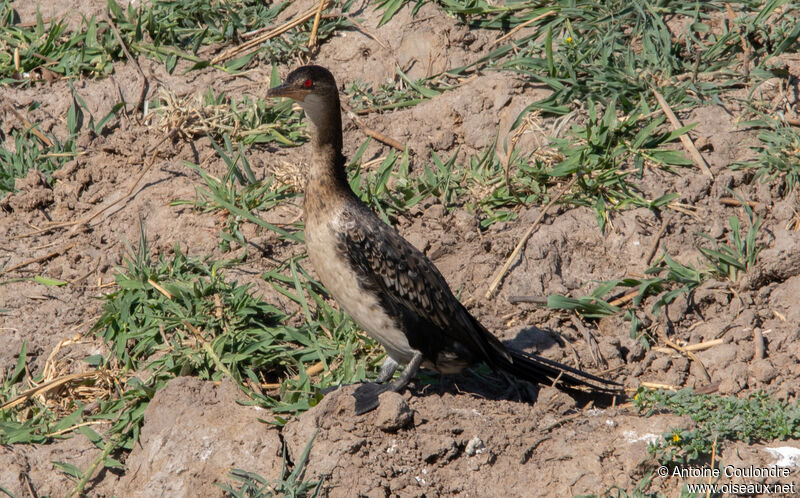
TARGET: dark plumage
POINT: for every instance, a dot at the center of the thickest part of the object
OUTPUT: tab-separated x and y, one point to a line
390	288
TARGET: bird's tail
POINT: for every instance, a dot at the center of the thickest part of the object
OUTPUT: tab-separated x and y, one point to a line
540	370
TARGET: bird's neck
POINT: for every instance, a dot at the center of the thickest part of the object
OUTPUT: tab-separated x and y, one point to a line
327	175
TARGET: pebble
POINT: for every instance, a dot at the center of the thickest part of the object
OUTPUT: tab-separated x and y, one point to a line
393	412
475	446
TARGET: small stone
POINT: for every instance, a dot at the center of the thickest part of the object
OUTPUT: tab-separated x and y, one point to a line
435	448
463	221
501	99
738	334
393	412
609	348
745	352
661	364
377	492
763	371
635	349
437	250
677	309
556	400
397	484
747	318
710	292
717	229
435	212
443	140
734	379
719	356
475	446
680	365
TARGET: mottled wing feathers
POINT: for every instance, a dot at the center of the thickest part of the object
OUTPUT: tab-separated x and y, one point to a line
412	287
435	323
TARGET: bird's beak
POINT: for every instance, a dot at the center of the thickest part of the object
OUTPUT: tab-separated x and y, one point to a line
284	90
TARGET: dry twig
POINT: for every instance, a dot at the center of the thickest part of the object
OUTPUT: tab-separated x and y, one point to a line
727	201
656	240
252	44
523	25
594	348
758	340
691	356
312	40
40	258
702	346
656	385
145	81
685	140
311	371
380	137
538	300
49	386
41	136
624	299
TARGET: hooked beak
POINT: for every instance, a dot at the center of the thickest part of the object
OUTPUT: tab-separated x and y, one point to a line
284	90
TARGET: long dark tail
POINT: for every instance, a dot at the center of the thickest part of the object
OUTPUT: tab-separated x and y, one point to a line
548	372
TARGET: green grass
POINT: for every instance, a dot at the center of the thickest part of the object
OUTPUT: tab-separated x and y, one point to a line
239	203
734	258
778	154
163	30
403	92
477	183
207	327
384	98
610	56
613	76
289	484
604	59
241	336
30	152
668	279
717	420
178	316
597	51
609	154
53	47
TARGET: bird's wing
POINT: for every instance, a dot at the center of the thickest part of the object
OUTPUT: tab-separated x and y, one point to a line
409	282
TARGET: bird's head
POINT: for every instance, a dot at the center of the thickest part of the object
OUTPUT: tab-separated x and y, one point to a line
314	88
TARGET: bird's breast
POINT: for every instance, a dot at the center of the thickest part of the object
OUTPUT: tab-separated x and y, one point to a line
346	284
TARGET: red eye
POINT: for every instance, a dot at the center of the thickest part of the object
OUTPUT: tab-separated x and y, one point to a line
307	83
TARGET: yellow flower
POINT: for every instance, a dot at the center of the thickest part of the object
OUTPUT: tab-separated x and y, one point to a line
676	438
569	39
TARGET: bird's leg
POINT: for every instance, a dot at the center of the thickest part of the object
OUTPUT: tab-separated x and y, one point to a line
367	394
513	387
409	373
522	390
387	370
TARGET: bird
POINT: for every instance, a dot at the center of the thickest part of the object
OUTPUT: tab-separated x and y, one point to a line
388	287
